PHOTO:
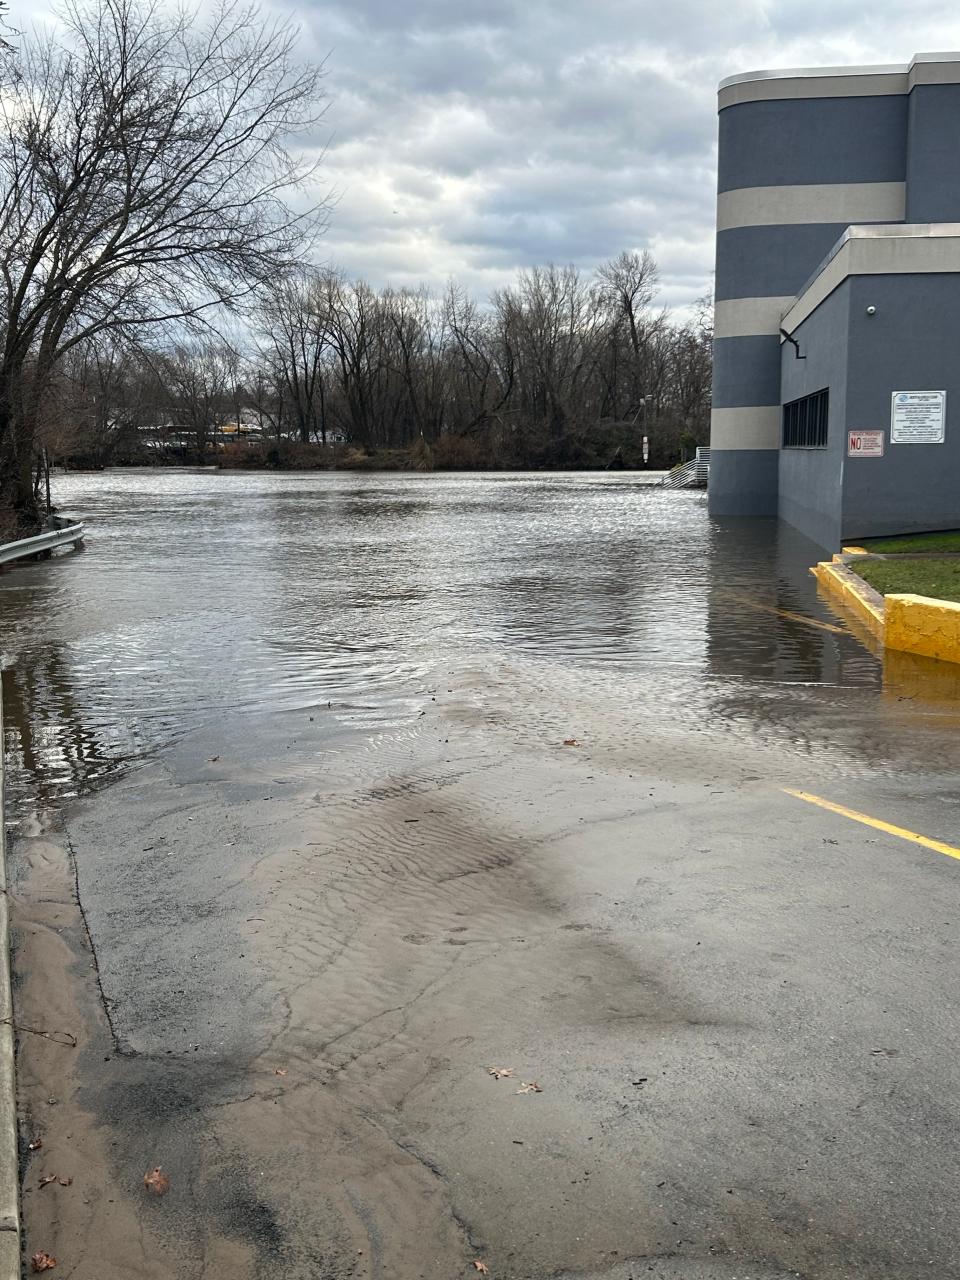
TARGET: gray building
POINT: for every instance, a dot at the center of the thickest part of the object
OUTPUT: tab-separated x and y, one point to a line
836	393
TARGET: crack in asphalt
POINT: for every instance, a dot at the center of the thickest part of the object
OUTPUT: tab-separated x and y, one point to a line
120	1048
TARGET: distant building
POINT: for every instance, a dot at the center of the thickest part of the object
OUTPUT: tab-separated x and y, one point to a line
246	431
836	392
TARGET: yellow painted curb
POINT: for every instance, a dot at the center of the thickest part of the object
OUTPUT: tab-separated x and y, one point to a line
903	623
919	624
852	592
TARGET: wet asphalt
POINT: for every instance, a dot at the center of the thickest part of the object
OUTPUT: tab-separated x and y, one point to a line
309	930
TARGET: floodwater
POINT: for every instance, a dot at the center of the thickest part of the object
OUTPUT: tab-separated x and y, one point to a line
200	593
348	865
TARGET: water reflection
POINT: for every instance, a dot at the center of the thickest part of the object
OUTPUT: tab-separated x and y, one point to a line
202	593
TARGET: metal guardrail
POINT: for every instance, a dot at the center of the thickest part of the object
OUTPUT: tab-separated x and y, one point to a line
49	541
694	474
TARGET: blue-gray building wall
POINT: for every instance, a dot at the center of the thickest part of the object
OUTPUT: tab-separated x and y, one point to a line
806	142
762	262
801	141
743	482
811	480
909	344
933	154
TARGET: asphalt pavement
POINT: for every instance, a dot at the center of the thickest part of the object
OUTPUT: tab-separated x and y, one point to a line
549	979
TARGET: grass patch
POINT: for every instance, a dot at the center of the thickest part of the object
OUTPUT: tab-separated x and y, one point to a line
914	543
937	578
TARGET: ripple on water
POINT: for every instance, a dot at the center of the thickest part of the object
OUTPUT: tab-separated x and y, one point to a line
201	593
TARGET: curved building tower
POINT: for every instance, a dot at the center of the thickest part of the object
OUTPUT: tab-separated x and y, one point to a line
802	156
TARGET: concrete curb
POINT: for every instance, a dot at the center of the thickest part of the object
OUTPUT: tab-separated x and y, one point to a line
838	580
919	624
903	622
9	1161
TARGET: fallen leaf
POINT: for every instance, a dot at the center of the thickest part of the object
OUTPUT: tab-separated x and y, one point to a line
279	1071
481	1266
46	1180
529	1086
65	1182
500	1073
214	759
157	1181
570	742
42	1261
35	1145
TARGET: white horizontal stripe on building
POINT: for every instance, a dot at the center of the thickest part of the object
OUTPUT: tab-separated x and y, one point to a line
749	317
756	427
908	249
809	203
840	82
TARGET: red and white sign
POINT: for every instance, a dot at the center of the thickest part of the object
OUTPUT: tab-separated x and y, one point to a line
865	444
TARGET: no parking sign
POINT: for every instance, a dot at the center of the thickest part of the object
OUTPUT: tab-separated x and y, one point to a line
865	444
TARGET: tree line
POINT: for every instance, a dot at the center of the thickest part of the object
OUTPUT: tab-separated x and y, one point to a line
559	369
155	286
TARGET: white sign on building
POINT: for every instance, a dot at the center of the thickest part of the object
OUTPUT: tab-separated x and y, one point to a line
918	417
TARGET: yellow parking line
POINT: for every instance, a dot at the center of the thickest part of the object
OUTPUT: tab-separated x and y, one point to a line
812	622
913	836
788	613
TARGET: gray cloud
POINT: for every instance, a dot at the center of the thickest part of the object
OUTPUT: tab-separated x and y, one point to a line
468	139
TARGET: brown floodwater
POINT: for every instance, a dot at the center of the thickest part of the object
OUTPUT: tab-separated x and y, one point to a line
348	864
200	593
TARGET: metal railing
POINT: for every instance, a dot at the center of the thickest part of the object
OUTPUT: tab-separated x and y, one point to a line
49	541
692	475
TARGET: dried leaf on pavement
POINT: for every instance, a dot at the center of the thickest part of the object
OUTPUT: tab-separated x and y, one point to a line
570	742
65	1182
500	1073
529	1086
279	1071
35	1145
42	1261
481	1266
46	1180
157	1181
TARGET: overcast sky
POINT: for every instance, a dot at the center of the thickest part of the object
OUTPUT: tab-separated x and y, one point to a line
469	139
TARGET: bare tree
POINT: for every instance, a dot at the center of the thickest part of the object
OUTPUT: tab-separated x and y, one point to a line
294	318
145	177
627	286
197	390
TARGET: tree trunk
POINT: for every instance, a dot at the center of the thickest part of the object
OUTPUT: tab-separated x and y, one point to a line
16	473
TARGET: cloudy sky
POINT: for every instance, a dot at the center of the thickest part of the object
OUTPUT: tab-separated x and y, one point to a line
468	139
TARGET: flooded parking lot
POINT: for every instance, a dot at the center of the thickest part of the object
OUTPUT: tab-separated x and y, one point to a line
330	793
204	592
